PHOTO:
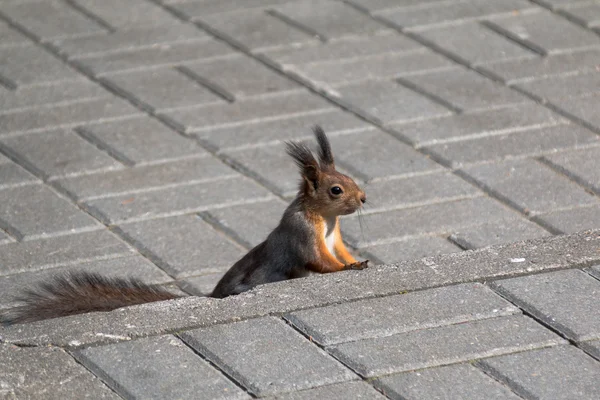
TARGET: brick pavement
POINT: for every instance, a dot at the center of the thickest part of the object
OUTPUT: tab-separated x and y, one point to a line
145	138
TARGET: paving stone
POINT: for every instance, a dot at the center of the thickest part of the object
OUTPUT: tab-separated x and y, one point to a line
206	7
504	231
579	165
128	38
585	14
177	200
512	71
140	140
162	89
162	55
466	89
157	368
473	42
54	93
411	249
389	102
242	76
330	19
134	12
53	215
379	317
445	13
4	238
248	111
256	29
12	174
11	37
163	241
582	108
563	86
60	251
562	372
251	223
138	179
462	381
270	132
375	5
136	266
51	19
201	285
66	115
573	220
239	347
373	67
348	48
530	186
338	391
592	348
444	345
564	300
58	153
514	145
479	124
559	4
27	65
49	373
545	32
391	226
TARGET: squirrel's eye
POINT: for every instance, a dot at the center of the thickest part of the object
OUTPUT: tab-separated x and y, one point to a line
336	190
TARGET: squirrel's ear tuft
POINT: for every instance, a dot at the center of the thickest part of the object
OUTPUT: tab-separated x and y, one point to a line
325	154
309	168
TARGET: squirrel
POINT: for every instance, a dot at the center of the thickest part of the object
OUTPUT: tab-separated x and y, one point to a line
308	238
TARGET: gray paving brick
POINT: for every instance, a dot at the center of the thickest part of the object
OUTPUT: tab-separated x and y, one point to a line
558	87
559	4
462	381
60	251
201	285
130	37
349	48
4	238
65	115
251	223
534	142
269	132
53	215
530	186
11	37
51	19
473	42
249	111
242	76
166	54
143	178
498	232
546	32
466	89
256	29
574	220
26	65
12	174
58	153
585	14
380	317
562	372
375	5
338	391
164	240
49	373
157	368
579	164
565	300
473	125
60	92
445	13
239	347
594	271
410	249
391	226
136	266
389	102
582	108
592	348
163	88
134	12
206	7
512	71
330	19
178	200
140	140
443	345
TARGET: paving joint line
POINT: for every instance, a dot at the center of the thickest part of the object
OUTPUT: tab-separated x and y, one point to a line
90	15
298	25
106	384
206	83
591	189
515	388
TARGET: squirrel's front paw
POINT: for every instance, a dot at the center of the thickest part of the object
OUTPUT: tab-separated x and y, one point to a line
358	265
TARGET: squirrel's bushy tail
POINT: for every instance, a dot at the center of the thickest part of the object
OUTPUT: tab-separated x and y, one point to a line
81	292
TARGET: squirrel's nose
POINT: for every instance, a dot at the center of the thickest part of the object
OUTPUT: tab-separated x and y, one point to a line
363	199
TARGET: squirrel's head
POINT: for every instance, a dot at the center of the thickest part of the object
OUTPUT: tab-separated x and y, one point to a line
325	190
